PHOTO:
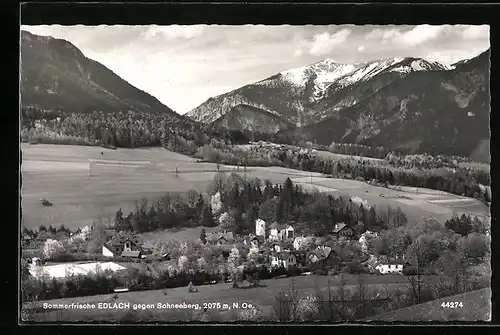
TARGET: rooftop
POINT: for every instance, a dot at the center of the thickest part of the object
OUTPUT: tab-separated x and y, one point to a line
135	253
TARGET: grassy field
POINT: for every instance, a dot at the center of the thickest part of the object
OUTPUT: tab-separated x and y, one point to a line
414	203
60	173
476	307
263	297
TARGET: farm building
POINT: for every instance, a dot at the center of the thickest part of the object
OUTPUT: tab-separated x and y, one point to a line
284	259
69	269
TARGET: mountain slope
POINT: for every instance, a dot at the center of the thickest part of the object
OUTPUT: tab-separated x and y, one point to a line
244	117
309	94
441	111
56	75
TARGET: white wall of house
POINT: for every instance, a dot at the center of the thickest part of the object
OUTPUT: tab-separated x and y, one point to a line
106	252
260	228
296	242
127	246
390	268
287	232
277	262
274	234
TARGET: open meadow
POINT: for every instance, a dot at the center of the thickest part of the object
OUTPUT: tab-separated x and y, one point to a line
60	174
262	297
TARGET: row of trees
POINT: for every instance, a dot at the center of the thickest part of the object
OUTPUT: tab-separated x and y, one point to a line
121	129
461	181
424	161
235	203
216	144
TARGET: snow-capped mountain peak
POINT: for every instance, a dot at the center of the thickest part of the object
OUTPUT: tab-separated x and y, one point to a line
305	86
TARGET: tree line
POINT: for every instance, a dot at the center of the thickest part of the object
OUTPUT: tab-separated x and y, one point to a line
245	200
216	144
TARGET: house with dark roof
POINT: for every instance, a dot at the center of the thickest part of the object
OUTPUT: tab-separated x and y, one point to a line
132	254
284	259
121	243
221	238
324	259
341	229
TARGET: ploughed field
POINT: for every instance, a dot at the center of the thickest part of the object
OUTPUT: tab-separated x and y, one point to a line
60	174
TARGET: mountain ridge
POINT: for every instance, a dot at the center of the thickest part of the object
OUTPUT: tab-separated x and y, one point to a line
451	105
55	74
300	89
369	102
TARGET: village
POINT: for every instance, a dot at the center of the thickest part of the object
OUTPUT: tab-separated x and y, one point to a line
276	245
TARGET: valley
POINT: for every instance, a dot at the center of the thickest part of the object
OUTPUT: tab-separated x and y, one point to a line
316	188
61	175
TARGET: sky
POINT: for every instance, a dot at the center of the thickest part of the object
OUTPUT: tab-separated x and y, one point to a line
183	66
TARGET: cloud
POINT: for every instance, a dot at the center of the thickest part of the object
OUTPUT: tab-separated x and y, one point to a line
185	65
476	32
420	34
382	34
452	56
325	42
173	32
416	36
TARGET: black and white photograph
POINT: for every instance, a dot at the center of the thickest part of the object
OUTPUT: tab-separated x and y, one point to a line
255	173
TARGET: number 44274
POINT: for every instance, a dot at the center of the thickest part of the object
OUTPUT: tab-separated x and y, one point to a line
452	304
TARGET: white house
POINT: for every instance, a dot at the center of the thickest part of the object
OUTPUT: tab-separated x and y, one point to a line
287	232
260	228
274	231
284	259
390	267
